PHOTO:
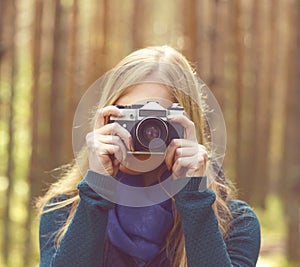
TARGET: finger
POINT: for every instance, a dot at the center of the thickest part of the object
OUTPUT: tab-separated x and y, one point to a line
183	162
179	171
188	125
116	129
173	146
170	152
113	140
195	165
185	152
109	150
101	159
196	154
195	150
116	162
103	113
183	166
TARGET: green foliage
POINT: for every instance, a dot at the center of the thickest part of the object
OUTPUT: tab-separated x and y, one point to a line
273	232
272	218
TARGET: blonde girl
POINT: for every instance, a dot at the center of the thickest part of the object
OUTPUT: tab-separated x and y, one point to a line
199	224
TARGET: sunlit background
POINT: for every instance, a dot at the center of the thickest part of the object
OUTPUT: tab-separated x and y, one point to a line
247	51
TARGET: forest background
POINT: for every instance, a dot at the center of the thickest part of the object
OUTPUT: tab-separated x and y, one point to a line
246	51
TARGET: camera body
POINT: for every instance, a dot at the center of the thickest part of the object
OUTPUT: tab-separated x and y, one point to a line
149	126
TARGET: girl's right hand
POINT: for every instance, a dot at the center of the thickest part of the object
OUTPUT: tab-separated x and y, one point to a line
106	143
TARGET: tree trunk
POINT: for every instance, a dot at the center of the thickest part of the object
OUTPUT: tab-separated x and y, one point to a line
290	178
57	88
138	24
34	168
11	34
265	17
3	5
99	47
229	85
239	67
72	85
190	29
219	45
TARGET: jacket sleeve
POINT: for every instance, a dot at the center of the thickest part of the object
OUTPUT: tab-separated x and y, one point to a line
83	243
204	242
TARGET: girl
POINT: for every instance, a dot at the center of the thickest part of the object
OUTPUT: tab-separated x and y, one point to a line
81	225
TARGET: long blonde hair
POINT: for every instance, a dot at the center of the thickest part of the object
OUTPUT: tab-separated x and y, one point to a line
165	65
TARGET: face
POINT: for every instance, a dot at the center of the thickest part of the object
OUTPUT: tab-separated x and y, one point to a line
140	94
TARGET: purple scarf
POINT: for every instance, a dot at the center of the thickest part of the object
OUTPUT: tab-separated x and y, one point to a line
139	231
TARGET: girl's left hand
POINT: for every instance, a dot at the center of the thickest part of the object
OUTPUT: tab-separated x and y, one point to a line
185	157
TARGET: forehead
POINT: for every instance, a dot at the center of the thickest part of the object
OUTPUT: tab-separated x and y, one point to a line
141	93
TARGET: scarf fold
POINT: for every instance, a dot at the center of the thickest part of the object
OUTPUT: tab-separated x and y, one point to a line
139	231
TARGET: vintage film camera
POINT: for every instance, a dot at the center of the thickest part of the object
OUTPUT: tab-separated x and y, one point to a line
149	126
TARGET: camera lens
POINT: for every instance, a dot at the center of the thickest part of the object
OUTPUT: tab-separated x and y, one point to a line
149	129
151	132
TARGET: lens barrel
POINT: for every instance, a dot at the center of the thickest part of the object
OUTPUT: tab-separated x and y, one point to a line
152	129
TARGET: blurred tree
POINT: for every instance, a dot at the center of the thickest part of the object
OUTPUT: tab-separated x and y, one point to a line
100	37
264	44
190	28
138	23
239	60
229	83
57	97
34	174
2	9
246	157
71	83
219	45
290	178
10	18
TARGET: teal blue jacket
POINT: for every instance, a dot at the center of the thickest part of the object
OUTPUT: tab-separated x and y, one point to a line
83	245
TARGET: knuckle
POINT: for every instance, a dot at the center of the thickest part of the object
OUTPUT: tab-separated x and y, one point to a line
100	111
114	128
178	152
114	125
202	147
89	144
88	137
117	127
90	141
179	161
201	161
175	142
191	123
97	150
115	138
